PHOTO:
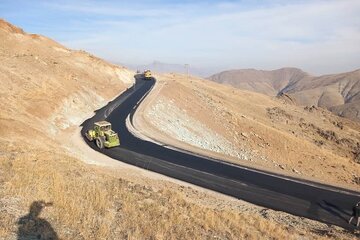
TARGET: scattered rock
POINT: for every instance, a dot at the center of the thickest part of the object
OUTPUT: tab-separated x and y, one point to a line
264	213
278	113
310	109
357	154
327	134
285	98
245	135
338	124
356	180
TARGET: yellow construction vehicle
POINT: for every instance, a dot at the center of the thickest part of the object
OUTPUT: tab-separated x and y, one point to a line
147	75
103	135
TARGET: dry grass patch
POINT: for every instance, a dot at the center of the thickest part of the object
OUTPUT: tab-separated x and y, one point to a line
88	203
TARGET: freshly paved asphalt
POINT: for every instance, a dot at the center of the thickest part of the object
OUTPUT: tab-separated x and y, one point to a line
298	197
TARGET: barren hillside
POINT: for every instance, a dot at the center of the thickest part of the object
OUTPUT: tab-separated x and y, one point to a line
339	93
43	83
266	82
252	129
46	91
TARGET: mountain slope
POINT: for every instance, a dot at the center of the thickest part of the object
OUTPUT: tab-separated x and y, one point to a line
46	91
340	93
42	82
266	82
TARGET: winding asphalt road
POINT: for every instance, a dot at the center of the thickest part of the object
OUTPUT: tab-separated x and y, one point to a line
298	197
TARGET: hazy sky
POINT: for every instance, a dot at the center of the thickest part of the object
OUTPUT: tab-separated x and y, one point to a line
317	36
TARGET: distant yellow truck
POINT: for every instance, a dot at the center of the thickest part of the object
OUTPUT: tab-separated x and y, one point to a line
147	75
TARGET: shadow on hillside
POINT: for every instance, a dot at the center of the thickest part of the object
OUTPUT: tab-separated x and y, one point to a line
31	226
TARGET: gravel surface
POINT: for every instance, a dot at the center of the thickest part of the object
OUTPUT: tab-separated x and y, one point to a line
177	123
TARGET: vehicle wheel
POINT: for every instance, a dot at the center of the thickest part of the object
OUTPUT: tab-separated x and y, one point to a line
88	136
100	143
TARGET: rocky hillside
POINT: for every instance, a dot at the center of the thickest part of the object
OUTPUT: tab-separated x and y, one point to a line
42	83
340	93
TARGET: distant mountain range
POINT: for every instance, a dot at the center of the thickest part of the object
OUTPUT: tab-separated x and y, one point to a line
340	93
161	67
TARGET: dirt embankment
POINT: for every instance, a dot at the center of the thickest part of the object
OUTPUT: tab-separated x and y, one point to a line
46	87
252	129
